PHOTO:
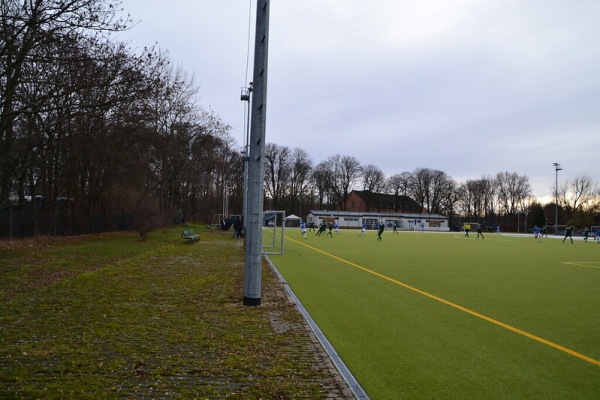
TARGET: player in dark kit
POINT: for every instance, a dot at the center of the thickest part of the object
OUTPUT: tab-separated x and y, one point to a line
329	228
479	229
322	228
569	233
380	231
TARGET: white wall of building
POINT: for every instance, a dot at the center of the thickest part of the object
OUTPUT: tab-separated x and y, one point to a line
417	222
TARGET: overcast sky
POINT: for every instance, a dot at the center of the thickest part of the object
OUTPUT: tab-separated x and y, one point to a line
471	88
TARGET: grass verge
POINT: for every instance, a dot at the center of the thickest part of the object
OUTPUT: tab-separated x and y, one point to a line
112	317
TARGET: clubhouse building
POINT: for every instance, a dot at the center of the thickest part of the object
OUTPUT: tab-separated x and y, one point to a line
404	221
374	208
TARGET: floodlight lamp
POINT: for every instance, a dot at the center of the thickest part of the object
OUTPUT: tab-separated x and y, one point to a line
245	95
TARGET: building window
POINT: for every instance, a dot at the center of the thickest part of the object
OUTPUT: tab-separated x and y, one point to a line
371	223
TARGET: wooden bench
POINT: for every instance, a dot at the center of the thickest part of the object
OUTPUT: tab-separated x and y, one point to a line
188	234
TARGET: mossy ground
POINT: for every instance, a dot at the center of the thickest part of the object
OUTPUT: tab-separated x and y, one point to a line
112	317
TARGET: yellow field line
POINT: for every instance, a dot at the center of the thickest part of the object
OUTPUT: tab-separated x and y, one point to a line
459	307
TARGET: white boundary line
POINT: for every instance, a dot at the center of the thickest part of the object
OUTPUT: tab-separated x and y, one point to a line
583	263
353	384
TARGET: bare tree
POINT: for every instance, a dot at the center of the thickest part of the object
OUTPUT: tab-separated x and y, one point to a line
213	164
71	143
301	166
344	172
373	182
450	199
320	183
373	178
485	196
513	190
278	169
29	31
420	187
579	194
440	191
398	185
172	113
86	122
473	197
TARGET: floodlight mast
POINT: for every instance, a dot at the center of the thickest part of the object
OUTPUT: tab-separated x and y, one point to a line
557	168
254	207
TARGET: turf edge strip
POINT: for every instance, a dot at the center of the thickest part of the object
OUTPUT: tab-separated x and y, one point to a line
335	358
459	307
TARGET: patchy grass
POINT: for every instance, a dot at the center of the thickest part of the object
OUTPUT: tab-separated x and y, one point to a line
110	316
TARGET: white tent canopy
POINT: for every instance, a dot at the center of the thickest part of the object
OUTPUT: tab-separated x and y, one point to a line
292	216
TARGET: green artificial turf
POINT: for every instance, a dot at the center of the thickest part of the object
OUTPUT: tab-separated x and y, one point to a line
398	312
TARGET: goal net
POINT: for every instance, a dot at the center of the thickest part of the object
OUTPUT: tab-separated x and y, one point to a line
273	231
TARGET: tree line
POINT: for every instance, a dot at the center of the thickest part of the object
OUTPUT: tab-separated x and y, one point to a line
292	183
97	136
90	128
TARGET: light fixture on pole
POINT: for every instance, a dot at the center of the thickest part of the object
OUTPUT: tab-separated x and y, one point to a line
245	96
557	168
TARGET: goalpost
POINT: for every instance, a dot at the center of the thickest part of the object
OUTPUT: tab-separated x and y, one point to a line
273	231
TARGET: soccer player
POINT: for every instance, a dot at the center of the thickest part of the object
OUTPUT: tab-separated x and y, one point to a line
303	228
586	234
380	231
321	229
395	228
498	230
336	228
467	229
330	227
363	230
479	228
568	233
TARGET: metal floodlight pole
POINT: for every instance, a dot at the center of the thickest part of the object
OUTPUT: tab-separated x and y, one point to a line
254	208
557	168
